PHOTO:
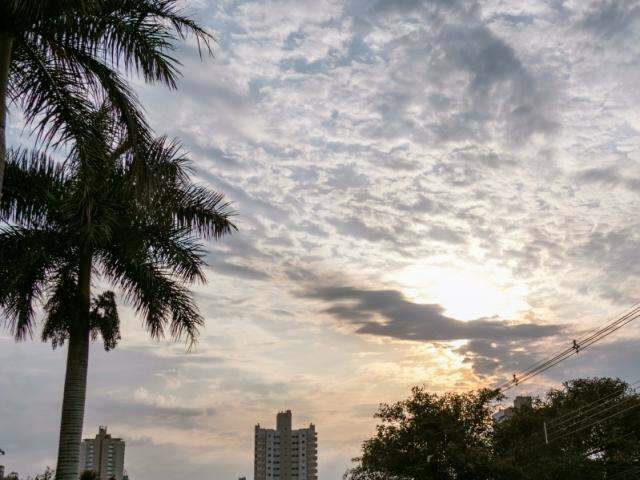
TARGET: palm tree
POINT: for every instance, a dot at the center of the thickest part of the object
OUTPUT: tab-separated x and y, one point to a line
53	51
73	222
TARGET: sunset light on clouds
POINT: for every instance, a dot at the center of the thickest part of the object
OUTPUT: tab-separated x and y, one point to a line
427	192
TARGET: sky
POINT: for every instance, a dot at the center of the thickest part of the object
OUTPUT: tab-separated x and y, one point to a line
428	192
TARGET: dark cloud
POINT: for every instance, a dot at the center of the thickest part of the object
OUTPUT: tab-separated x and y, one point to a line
147	413
451	63
405	7
354	227
388	313
491	357
611	18
346	176
615	253
445	234
500	85
608	176
513	20
225	267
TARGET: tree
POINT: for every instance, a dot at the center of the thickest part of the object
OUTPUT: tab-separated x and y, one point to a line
89	475
53	51
594	433
581	446
47	475
71	223
430	436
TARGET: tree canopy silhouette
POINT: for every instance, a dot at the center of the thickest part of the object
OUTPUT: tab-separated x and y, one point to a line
453	436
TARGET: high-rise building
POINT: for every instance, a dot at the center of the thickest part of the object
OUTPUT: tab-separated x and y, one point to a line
285	454
103	455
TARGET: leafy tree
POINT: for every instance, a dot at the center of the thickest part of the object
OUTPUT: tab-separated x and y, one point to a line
580	446
47	475
452	436
53	51
71	224
89	475
430	436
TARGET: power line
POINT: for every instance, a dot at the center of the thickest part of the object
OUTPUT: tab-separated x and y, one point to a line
582	421
597	421
593	412
588	335
586	341
585	408
622	474
617	439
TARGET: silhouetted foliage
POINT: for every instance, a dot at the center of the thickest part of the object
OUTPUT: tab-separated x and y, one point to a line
430	436
134	219
89	475
54	52
579	448
47	475
452	436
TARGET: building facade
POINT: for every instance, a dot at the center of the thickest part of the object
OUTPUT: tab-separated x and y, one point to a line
284	453
103	455
507	413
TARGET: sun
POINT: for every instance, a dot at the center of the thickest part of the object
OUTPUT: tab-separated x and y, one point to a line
466	293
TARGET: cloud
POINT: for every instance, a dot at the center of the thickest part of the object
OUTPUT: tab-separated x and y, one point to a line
615	251
354	227
388	313
454	79
234	270
608	176
145	410
609	19
489	358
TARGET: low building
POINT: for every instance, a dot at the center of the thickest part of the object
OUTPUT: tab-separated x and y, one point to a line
103	455
507	413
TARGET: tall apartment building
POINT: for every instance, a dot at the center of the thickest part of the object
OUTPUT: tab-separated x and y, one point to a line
103	455
285	454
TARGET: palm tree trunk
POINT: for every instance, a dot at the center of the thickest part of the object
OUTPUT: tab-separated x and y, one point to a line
75	384
5	61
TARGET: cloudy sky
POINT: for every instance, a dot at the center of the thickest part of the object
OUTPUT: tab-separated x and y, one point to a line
433	192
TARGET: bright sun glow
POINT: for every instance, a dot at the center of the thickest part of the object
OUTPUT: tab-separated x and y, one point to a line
466	294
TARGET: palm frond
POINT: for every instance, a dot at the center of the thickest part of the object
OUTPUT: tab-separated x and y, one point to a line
201	210
104	319
32	180
30	11
138	35
28	257
163	12
163	301
51	97
174	199
62	308
106	85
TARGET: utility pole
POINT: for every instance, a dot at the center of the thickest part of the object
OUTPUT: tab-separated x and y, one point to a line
546	437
